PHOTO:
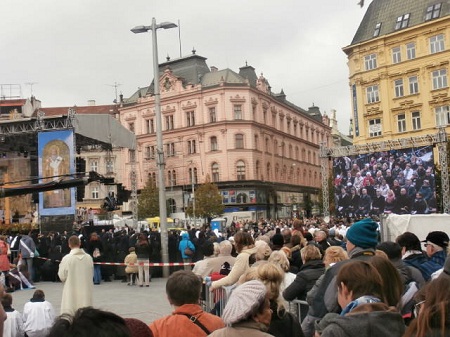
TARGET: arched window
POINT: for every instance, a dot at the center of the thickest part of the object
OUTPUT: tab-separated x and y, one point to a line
193	175
215	172
240	170
241	198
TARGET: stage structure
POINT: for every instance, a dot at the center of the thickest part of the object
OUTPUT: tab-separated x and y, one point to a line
439	140
19	140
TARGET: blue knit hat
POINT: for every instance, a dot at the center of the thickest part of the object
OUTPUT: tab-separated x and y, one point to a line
363	233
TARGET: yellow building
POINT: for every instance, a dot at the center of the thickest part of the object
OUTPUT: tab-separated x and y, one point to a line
399	66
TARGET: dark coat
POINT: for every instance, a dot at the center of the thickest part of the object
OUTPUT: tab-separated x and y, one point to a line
305	280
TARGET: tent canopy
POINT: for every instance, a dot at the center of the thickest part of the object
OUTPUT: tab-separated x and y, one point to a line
156	219
104	128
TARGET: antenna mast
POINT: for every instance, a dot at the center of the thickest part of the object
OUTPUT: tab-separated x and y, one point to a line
31	87
115	85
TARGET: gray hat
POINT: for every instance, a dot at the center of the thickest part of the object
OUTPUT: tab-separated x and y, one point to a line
244	301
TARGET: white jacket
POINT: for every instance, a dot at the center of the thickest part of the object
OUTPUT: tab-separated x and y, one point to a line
13	326
38	318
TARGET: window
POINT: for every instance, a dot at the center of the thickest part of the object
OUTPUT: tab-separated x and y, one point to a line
215	172
402	21
398	86
169	122
370	61
437	43
240	170
190	118
433	12
191	147
193	175
170	149
396	55
214	146
239	141
439	78
372	94
94	165
109	165
413	85
172	177
401	123
375	127
237	111
377	30
94	192
212	115
131	127
256	142
131	156
265	115
442	115
411	51
415	120
150	126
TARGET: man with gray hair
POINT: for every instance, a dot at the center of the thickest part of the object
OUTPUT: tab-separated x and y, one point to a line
214	264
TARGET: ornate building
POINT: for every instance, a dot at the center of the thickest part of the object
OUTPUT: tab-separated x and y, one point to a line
399	64
260	149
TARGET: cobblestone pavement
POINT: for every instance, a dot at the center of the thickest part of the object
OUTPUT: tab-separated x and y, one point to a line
146	304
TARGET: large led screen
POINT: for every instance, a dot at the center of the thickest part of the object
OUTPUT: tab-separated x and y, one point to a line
396	181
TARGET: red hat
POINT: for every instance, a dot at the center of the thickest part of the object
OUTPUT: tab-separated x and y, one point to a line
138	328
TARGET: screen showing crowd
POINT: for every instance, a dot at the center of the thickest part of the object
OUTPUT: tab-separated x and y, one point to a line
396	181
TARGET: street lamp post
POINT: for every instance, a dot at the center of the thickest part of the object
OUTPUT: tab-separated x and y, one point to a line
159	141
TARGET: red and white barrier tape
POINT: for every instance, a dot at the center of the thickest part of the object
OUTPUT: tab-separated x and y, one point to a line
150	264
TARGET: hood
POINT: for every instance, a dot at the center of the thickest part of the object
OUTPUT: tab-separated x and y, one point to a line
367	320
78	253
185	236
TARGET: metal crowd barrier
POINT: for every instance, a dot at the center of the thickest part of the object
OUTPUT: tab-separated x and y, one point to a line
214	302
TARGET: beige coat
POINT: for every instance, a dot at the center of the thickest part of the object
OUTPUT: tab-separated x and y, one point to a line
131	259
76	271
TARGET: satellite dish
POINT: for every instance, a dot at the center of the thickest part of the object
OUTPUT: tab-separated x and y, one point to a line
327	219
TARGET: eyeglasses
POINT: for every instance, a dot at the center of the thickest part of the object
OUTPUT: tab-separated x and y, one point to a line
417	307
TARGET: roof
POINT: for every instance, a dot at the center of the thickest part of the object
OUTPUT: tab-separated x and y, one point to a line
13	102
225	75
386	12
90	109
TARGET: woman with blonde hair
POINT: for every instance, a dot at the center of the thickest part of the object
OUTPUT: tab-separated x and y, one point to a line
283	323
279	258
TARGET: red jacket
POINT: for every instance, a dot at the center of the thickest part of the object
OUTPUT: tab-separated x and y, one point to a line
178	324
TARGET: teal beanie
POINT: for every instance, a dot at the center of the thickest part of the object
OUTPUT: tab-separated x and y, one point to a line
363	233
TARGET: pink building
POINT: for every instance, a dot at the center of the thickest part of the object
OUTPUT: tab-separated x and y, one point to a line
260	149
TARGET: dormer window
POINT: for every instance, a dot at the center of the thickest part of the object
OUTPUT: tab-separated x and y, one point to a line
402	21
433	12
377	30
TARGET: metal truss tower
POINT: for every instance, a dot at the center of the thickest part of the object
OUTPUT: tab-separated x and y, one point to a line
439	139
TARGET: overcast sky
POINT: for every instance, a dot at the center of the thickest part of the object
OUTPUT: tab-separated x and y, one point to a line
75	51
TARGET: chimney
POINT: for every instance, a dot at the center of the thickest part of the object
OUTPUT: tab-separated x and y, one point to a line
91	102
214	69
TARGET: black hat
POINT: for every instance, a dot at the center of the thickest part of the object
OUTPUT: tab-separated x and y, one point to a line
439	238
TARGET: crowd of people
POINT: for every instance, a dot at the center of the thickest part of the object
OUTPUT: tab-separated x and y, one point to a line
348	282
387	182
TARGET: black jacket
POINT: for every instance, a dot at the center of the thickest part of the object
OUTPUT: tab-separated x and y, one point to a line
305	280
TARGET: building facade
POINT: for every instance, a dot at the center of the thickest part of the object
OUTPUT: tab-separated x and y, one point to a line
399	65
261	150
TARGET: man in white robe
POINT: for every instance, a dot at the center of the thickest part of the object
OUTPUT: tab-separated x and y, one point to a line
76	271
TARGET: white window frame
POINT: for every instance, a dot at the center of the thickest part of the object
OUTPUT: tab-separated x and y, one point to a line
190	118
401	123
95	192
375	127
237	111
377	30
240	170
402	21
215	174
214	143
93	164
398	88
415	120
372	94
192	148
437	43
442	114
411	51
150	125
433	12
413	85
370	61
169	122
109	164
396	55
439	78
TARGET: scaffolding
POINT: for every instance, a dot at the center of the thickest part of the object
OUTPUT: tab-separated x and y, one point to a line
439	140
